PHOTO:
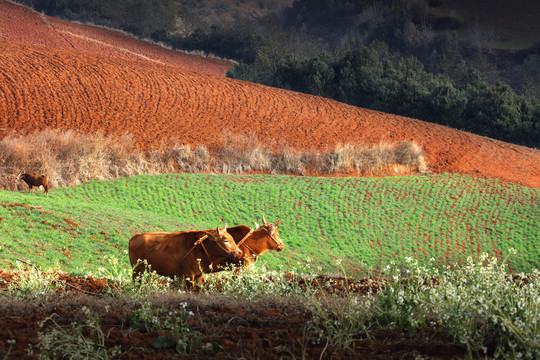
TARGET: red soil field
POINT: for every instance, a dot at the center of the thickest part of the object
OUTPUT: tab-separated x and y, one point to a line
90	85
52	88
24	25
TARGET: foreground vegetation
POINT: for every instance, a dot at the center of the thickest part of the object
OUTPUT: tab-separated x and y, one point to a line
478	307
366	222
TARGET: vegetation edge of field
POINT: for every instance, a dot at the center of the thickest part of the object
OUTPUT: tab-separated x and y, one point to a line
476	308
365	222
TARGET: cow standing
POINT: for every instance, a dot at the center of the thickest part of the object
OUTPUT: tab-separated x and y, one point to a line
252	243
183	254
34	180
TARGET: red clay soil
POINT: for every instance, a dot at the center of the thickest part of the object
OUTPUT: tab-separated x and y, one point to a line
23	25
51	88
95	86
267	329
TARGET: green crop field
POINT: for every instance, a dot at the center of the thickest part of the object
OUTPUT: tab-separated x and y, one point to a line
365	222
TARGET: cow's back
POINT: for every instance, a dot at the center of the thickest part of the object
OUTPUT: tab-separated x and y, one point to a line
238	232
163	251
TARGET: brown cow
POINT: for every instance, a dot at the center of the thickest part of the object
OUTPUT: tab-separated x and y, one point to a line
34	180
177	254
253	243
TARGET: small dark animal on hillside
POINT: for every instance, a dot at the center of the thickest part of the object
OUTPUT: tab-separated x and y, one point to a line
34	180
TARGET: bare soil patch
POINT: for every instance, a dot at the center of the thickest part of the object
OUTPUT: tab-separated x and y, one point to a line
23	25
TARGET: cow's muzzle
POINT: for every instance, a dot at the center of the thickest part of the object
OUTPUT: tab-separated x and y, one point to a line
235	255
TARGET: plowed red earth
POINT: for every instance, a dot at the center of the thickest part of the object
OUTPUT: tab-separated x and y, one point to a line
271	330
23	25
51	88
48	86
54	74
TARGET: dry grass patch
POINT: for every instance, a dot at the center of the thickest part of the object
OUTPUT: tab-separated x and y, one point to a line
69	158
372	160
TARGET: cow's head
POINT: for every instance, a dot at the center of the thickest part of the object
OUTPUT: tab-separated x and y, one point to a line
225	242
271	229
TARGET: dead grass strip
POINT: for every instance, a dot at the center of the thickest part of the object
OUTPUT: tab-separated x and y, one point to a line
70	158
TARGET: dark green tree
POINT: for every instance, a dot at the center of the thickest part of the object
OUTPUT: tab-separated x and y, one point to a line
320	75
445	104
358	77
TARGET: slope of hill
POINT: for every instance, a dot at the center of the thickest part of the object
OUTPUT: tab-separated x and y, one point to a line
24	25
45	87
365	222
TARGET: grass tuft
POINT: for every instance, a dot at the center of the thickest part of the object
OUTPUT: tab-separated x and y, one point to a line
69	158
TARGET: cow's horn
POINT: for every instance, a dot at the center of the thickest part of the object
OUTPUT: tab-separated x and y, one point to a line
264	221
277	222
256	225
19	176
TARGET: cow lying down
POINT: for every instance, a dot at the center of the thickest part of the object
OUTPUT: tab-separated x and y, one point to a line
177	254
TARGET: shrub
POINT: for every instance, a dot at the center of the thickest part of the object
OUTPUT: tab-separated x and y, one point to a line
479	305
173	326
29	284
76	341
73	158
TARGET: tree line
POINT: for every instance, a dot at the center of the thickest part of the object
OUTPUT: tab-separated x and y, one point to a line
375	78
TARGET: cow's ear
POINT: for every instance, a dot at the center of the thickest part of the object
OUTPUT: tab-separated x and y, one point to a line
277	222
